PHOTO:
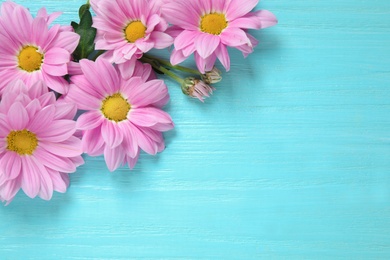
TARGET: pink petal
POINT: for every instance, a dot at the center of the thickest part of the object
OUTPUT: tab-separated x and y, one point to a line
255	20
187	51
238	8
48	17
58	131
58	182
178	13
74	68
38	89
92	142
223	56
124	53
17	116
127	68
46	191
39	31
130	145
151	117
109	46
267	18
3	145
33	108
161	102
251	22
234	37
143	70
185	38
42	119
7	9
131	161
57	56
206	6
9	189
114	157
77	160
205	64
8	76
89	120
57	163
31	181
174	31
95	73
95	4
65	178
111	77
206	44
55	70
84	85
130	84
143	45
247	49
82	99
22	20
48	37
154	135
65	110
4	126
57	84
161	40
111	133
66	40
144	141
139	7
147	93
68	148
177	57
47	99
10	165
152	21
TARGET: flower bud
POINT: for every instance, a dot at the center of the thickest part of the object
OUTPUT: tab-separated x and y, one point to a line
212	76
196	88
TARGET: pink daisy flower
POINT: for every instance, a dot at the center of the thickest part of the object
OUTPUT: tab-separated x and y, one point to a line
127	29
32	51
207	27
123	115
37	145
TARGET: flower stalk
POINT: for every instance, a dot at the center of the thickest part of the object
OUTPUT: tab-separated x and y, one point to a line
157	66
175	67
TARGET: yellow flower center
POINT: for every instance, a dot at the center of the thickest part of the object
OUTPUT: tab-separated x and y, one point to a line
134	31
22	142
115	107
213	23
30	59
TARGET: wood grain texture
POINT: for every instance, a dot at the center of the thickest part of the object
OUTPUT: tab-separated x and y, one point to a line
288	159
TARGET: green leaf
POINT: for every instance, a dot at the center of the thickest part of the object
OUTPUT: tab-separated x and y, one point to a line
83	9
87	34
74	25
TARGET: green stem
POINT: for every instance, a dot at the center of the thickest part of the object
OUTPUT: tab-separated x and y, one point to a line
162	69
176	67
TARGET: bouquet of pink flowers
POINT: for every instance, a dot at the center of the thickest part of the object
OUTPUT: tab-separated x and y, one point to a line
91	87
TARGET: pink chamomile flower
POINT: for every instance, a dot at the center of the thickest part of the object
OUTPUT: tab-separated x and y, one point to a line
207	27
128	28
38	148
122	115
32	51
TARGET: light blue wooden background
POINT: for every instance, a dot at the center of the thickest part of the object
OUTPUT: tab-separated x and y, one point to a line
289	159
